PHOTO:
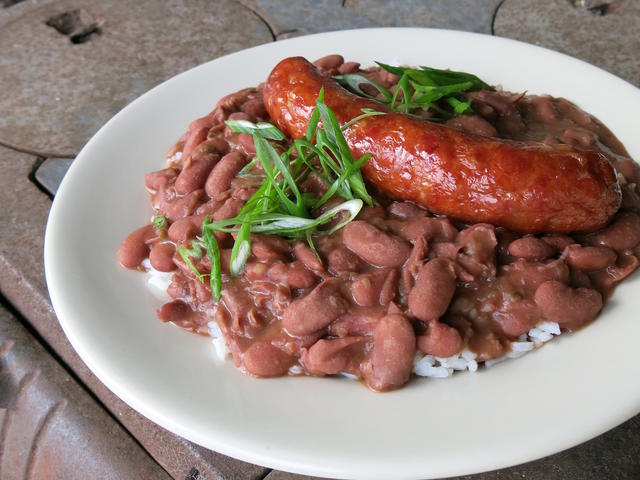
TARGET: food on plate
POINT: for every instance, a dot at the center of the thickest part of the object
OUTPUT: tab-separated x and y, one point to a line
383	222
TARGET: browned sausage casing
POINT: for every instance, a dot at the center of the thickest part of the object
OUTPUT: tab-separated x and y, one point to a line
524	187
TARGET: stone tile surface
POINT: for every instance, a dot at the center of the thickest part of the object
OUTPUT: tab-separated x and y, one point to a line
304	17
51	427
610	41
22	221
62	92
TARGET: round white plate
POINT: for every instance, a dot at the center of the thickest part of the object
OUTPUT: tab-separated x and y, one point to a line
574	388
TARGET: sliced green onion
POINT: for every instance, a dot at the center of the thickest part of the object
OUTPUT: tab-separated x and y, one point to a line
262	129
159	221
353	81
241	249
213	252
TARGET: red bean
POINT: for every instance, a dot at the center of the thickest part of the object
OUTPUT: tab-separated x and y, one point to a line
348	67
570	308
440	340
184	229
219	180
473	124
517	317
437	229
269	247
328	357
375	246
329	61
315	311
293	275
175	311
406	210
558	242
195	138
389	287
255	109
361	322
185	206
434	288
525	277
478	250
308	257
161	257
589	258
155	181
531	248
365	288
264	360
391	359
134	248
544	108
623	234
341	259
216	145
611	276
246	142
229	209
194	174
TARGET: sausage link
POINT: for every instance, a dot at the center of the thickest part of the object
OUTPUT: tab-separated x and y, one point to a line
529	188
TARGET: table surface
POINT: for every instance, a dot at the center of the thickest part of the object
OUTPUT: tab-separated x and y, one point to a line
66	67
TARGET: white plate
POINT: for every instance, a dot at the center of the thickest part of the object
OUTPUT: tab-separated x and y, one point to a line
574	388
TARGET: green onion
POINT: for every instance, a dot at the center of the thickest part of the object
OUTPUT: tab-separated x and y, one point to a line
263	129
353	81
278	207
241	249
159	221
186	253
213	252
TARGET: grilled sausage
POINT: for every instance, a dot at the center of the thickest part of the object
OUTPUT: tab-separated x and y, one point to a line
525	187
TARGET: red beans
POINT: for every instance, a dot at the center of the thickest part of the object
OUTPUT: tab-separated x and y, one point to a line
623	234
328	357
246	142
264	360
440	340
219	180
342	259
307	257
194	174
195	138
184	229
391	358
329	62
531	248
293	275
525	277
434	288
269	247
429	227
375	246
517	317
154	181
161	257
367	288
589	258
134	249
183	207
348	67
570	308
229	209
315	311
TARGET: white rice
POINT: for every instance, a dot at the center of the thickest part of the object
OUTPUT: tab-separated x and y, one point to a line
220	349
157	282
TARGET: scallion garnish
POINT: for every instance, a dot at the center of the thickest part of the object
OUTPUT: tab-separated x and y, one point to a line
263	129
278	207
422	88
159	221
